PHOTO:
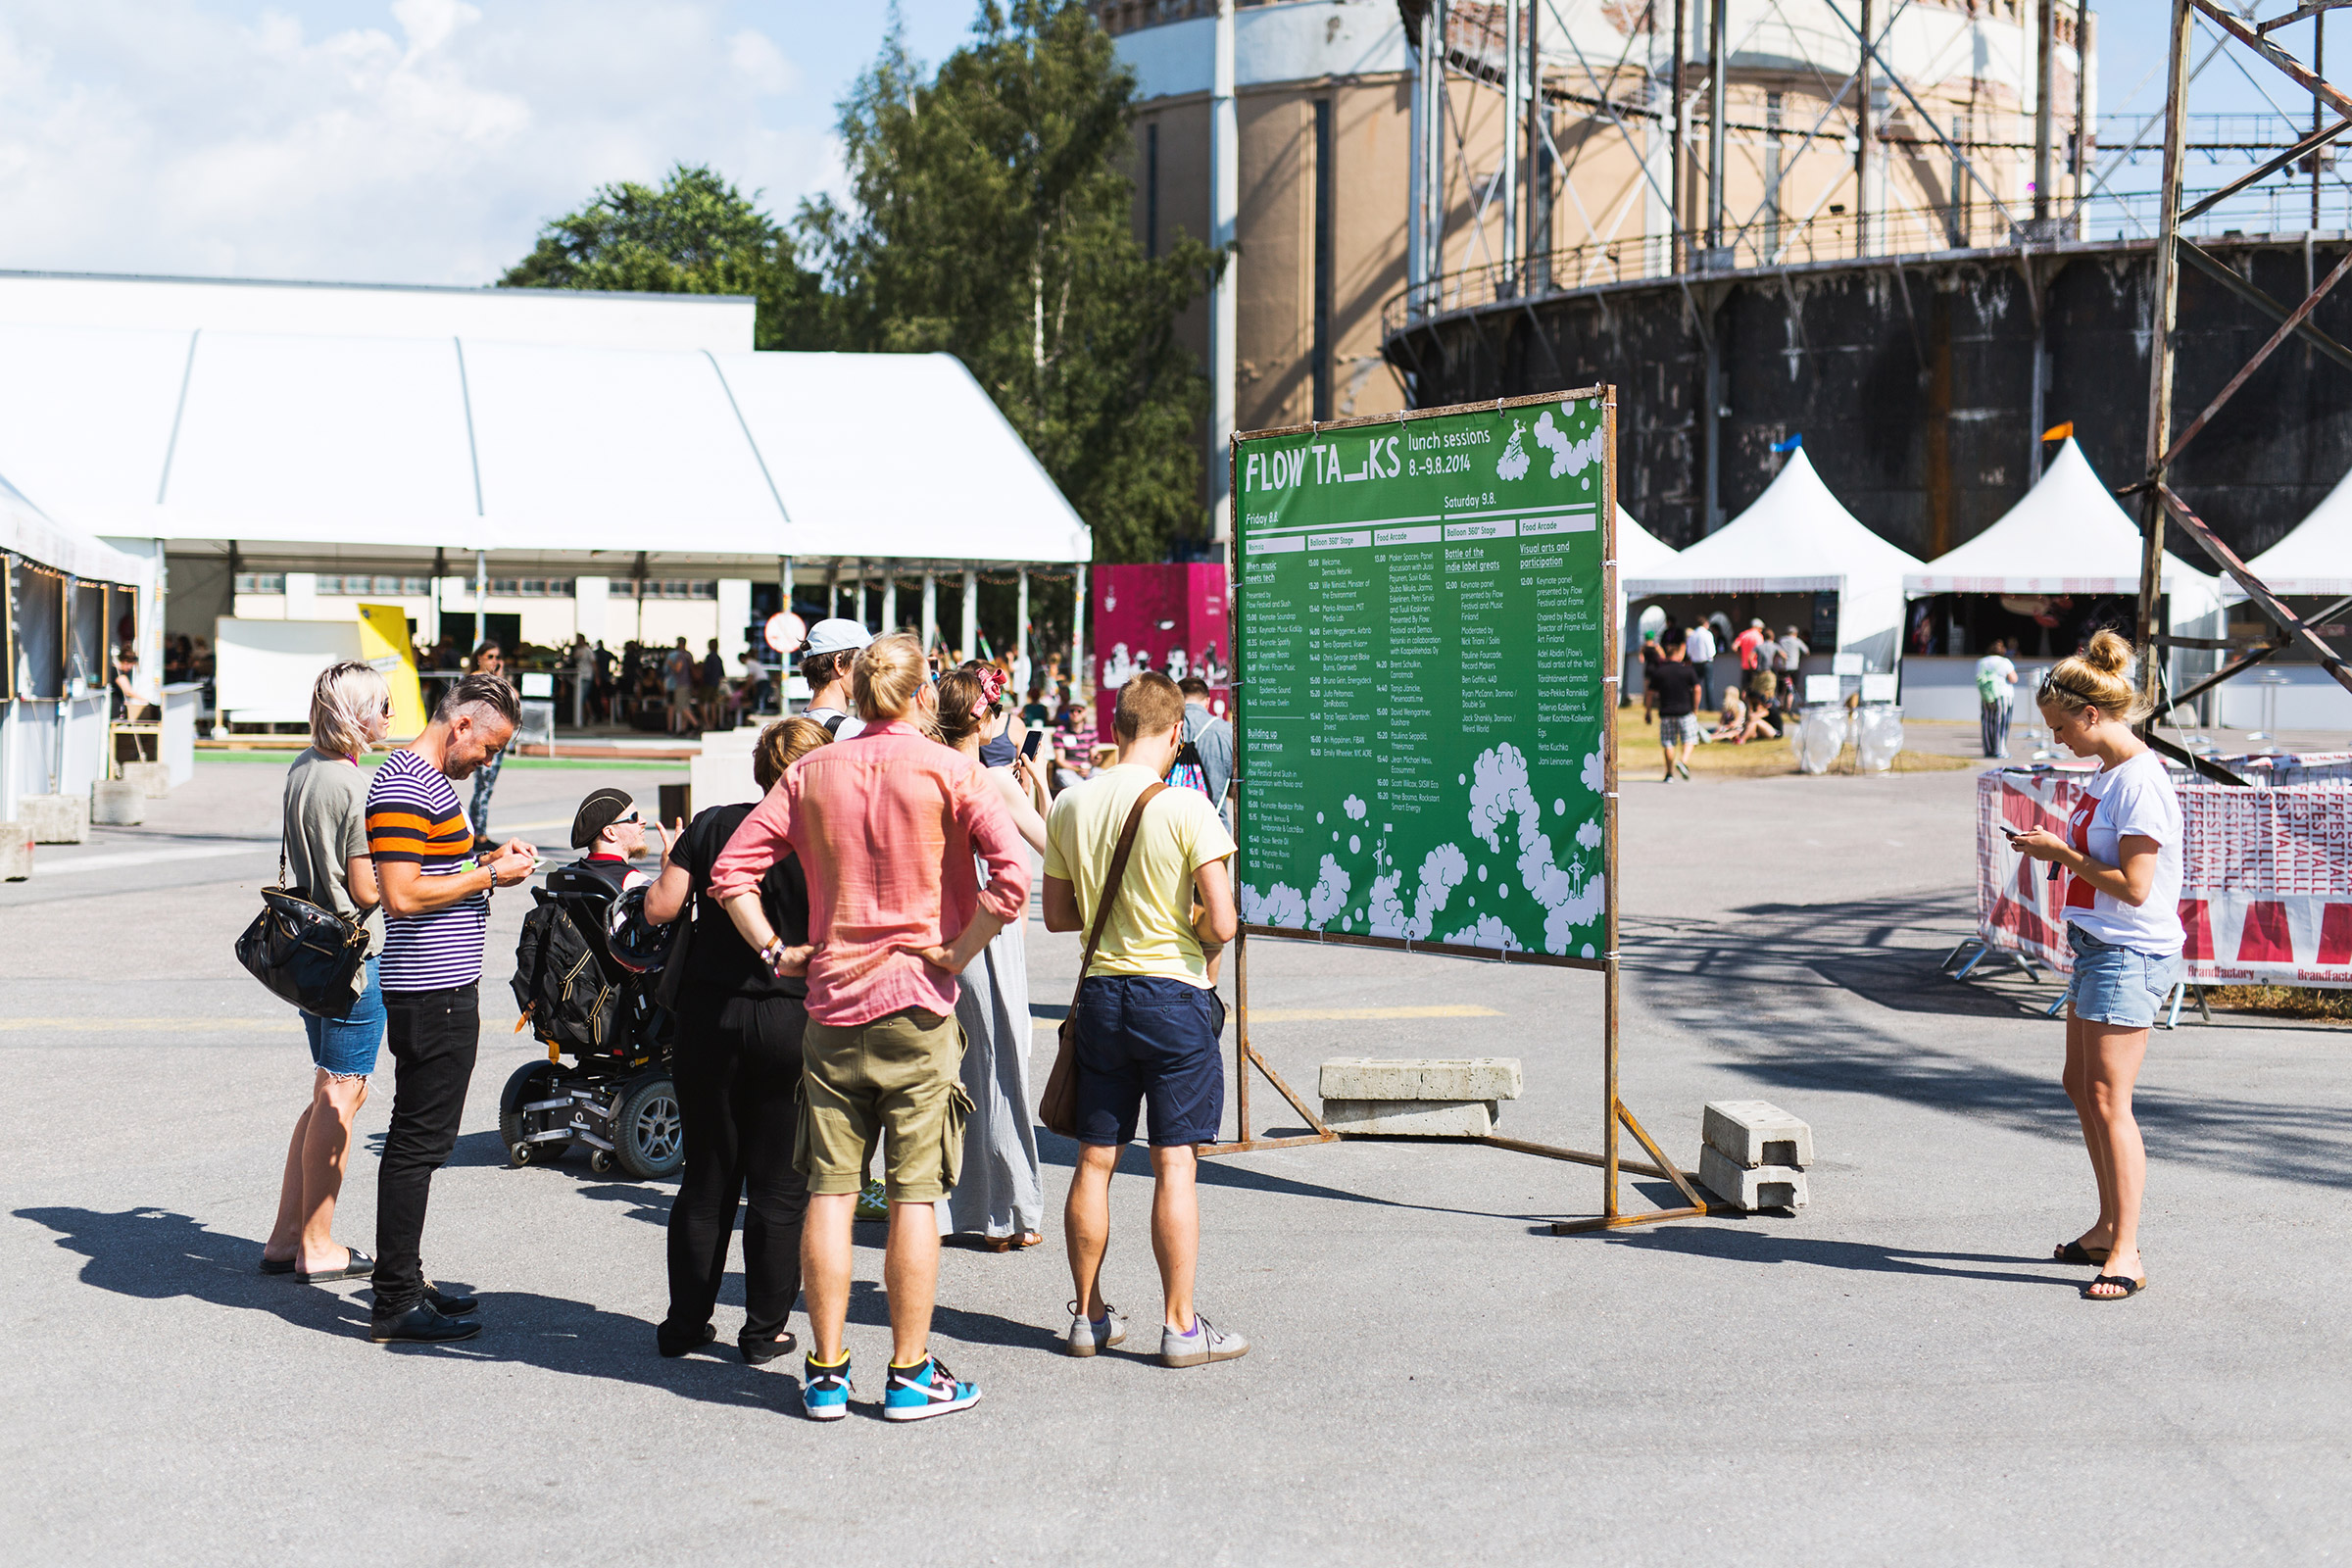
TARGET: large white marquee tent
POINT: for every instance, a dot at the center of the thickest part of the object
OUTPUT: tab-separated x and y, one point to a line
566	439
2313	560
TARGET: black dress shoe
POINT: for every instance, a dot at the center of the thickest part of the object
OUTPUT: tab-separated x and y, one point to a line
673	1343
762	1350
421	1325
450	1304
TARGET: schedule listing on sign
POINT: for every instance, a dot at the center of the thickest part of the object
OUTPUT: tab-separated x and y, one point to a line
1421	636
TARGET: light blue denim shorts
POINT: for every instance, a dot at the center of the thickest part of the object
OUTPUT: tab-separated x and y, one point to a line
2123	987
346	1047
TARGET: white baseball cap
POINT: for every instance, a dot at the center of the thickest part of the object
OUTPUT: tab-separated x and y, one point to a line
835	636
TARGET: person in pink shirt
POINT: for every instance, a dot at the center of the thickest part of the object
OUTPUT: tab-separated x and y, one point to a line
886	826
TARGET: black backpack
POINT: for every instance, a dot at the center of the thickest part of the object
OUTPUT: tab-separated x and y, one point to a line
561	980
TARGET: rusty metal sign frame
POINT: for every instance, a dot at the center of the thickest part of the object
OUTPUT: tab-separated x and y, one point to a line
1615	1116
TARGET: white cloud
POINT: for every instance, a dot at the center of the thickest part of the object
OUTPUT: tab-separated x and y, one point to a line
195	137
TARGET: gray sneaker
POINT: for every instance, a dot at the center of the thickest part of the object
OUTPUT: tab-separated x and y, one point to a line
1086	1337
1206	1344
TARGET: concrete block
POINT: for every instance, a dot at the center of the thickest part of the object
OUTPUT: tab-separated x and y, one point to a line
117	803
1459	1078
154	779
55	818
1750	1132
16	852
1750	1187
1411	1118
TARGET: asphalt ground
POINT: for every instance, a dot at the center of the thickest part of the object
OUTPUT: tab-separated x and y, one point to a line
1894	1374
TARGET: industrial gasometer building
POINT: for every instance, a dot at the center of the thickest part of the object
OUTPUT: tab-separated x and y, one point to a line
1918	256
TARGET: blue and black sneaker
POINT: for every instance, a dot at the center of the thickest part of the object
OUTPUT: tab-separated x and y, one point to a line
924	1390
825	1390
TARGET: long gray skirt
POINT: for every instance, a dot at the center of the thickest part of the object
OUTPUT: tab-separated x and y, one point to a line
1001	1192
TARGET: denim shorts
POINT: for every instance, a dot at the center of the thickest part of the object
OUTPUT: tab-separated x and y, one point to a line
1147	1039
346	1047
2120	986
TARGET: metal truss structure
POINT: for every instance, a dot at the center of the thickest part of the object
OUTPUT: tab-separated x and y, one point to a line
1670	76
2157	499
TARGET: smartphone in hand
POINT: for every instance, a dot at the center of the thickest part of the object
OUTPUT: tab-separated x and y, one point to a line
1031	742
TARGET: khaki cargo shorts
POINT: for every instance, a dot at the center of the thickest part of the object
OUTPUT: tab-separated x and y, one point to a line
900	1075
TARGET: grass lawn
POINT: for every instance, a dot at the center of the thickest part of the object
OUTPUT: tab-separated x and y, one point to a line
1637	755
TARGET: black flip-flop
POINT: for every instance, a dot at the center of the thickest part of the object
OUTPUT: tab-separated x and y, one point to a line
277	1265
2132	1288
2077	1253
360	1267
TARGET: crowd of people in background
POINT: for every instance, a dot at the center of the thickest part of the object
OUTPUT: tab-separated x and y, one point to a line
855	988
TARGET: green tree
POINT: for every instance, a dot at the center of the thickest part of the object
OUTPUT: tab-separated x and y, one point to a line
697	235
991	218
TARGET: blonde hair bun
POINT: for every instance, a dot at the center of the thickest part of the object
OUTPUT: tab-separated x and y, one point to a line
2096	678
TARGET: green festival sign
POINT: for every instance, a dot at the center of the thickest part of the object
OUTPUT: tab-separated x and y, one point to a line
1423	635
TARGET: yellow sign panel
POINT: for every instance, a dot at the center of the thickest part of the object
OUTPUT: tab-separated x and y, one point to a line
384	643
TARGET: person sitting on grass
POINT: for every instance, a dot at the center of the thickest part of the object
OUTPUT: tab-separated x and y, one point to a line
1742	722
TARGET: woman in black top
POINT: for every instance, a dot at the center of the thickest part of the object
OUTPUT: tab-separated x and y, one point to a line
737	1067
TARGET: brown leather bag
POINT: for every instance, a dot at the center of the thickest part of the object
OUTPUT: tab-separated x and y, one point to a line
1058	1108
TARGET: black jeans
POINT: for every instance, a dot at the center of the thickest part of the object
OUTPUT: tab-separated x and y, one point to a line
737	1071
433	1036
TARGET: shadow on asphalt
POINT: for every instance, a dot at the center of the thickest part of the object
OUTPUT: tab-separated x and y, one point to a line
1760	1246
1768	988
154	1254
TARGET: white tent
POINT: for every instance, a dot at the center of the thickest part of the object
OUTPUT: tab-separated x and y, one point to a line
1798	539
534	449
2315	557
2067	535
1639	553
53	726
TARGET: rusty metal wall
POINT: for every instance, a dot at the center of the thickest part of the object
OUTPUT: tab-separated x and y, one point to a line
1912	382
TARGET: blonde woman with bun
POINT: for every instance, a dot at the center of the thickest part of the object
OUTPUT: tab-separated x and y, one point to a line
2121	851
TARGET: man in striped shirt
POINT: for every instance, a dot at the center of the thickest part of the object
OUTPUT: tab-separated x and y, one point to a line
437	908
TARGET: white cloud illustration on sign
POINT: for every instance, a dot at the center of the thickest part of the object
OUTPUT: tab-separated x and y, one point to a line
1331	892
1589	834
1356	809
1568	454
1590	777
1490	933
1280	905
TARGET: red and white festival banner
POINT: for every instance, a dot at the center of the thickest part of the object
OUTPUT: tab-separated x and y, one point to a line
2266	878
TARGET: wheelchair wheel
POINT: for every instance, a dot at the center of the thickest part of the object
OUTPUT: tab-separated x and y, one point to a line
649	1137
533	1080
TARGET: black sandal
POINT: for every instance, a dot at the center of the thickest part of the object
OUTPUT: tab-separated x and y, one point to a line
361	1266
2130	1289
2075	1252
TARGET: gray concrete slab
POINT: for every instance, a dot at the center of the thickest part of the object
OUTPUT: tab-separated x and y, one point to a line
1436	1377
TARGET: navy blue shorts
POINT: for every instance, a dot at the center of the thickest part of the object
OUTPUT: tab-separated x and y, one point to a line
1149	1039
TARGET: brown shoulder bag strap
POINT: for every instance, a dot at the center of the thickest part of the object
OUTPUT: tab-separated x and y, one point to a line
1111	884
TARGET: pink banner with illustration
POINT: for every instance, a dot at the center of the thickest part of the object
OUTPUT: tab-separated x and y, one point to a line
2265	878
1169	617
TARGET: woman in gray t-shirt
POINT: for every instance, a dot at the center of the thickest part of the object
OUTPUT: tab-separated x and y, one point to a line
326	855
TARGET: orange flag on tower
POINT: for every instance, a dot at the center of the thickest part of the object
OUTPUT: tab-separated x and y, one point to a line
2059	432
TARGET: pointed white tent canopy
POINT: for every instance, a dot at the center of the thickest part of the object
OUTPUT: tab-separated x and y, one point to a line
1639	550
2315	557
1798	539
2067	535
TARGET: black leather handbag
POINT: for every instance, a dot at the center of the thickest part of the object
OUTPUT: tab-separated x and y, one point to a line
304	952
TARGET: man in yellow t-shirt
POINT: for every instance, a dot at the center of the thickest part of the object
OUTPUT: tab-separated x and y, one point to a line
1148	1014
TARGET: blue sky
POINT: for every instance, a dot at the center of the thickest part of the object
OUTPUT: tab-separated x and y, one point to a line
428	140
400	140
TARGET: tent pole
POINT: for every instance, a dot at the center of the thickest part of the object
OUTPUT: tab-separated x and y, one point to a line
1021	614
930	609
971	611
890	598
481	598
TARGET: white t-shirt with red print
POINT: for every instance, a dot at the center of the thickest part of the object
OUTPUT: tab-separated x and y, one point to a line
2134	796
